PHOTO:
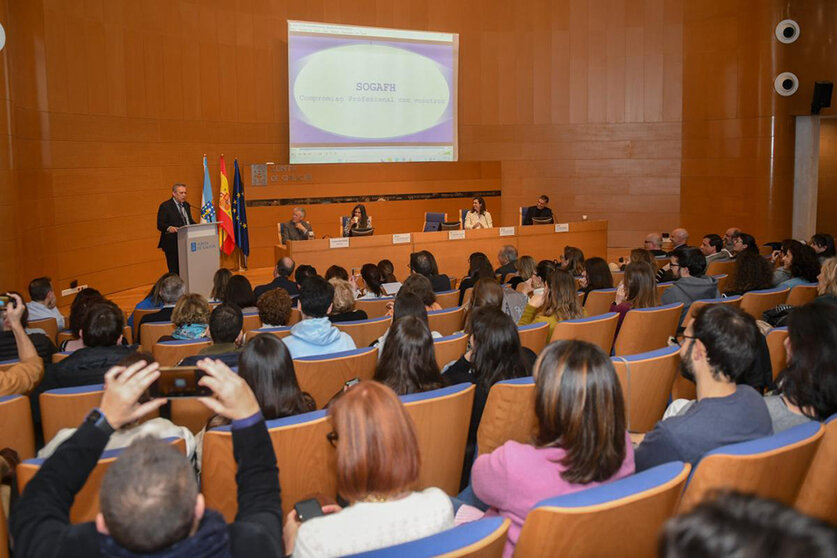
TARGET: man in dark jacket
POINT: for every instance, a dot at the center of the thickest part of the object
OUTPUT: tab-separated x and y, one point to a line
171	215
281	273
149	498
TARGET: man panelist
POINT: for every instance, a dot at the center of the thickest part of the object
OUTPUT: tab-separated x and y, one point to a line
172	215
297	228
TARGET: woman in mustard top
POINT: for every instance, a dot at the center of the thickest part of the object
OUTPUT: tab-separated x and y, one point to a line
558	302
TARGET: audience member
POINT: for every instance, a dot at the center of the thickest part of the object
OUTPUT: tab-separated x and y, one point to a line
424	263
743	242
373	280
387	271
581	439
526	267
734	524
315	335
799	265
8	343
752	273
171	289
240	293
297	228
808	385
406	304
688	266
507	258
150	503
343	304
729	235
22	377
191	318
487	292
303	272
478	217
84	299
408	360
719	345
478	267
43	302
823	245
378	464
712	248
152	300
679	237
654	244
539	210
336	271
573	260
281	279
637	290
595	275
359	220
640	255
558	302
420	286
274	308
158	427
226	323
219	284
827	281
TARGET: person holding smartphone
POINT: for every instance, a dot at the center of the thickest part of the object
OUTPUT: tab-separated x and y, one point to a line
358	220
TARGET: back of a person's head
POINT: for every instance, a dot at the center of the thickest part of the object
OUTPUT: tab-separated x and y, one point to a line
692	259
171	289
752	272
377	447
545	269
315	297
562	298
420	263
225	323
420	286
804	262
336	272
372	277
344	296
274	307
496	343
266	365
191	309
284	267
828	277
642	255
475	260
303	272
408	304
240	292
387	271
598	273
487	292
640	285
408	361
509	253
484	271
573	260
579	406
148	497
219	283
730	337
39	288
810	379
103	324
740	525
84	299
526	267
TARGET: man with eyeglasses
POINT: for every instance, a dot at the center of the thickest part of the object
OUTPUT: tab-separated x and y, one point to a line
688	266
718	348
171	215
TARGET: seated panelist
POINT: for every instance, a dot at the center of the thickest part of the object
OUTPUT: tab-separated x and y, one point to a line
297	228
478	217
358	220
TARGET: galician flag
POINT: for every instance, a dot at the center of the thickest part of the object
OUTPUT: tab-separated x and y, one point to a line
225	231
207	208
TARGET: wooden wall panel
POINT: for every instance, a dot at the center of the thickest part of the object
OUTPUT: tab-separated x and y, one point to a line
827	191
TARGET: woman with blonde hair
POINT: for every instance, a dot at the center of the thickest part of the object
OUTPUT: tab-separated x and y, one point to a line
526	267
343	304
558	302
191	316
827	281
378	464
637	290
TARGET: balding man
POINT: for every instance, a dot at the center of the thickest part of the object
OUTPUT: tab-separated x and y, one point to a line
728	237
654	244
679	237
281	273
171	215
297	228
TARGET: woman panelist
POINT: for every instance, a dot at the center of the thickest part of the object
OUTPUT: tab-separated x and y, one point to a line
478	217
358	220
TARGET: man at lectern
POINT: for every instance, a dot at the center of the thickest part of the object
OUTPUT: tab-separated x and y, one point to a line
172	215
297	228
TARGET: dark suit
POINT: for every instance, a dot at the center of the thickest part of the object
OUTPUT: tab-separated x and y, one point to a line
278	282
168	215
162	316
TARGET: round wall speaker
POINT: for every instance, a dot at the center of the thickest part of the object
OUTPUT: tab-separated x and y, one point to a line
786	84
787	31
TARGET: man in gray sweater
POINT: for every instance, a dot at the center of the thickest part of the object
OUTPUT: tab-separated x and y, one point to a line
688	265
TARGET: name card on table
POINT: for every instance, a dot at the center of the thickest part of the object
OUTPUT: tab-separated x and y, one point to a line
403	238
562	227
456	235
506	231
338	242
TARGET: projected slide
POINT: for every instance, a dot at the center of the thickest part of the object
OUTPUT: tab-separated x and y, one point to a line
370	95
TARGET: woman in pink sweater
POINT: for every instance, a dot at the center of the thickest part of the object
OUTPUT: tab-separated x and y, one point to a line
580	442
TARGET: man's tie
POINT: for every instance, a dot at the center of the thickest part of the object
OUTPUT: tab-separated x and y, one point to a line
183	213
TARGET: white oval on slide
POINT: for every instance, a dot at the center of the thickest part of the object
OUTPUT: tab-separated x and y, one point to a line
371	91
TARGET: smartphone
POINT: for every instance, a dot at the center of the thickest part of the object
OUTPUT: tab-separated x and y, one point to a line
351	382
6	301
179	381
538	291
307	509
665	235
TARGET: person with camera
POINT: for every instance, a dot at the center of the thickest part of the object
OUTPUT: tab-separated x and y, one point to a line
149	497
26	374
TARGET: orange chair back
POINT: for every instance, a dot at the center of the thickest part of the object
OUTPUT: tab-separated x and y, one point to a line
723	280
324	376
128	334
719	268
756	302
67	407
447	321
698	304
295	316
365	332
58	357
647	329
598	330
448	299
800	295
49	325
818	495
646	381
450	348
509	414
189	412
251	322
776	346
599	301
169	353
374	307
662	287
150	333
533	336
86	503
66	335
466	297
139	315
18	432
279	332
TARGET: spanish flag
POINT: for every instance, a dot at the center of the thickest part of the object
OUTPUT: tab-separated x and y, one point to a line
225	231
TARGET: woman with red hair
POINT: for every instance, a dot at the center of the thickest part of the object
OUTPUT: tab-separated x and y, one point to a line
378	465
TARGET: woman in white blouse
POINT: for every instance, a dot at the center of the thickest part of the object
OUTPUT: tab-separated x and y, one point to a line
478	217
